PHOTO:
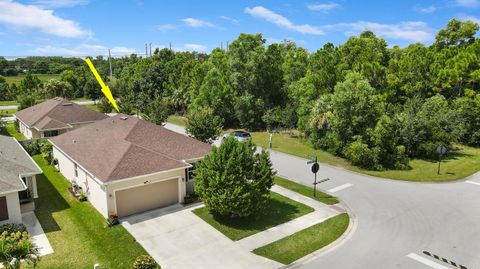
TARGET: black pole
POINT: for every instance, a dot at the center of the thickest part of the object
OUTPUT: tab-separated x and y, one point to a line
315	182
439	160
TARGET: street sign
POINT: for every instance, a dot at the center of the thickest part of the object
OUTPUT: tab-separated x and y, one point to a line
315	168
441	149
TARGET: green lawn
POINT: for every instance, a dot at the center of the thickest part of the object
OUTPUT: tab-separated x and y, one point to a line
305	191
297	245
42	77
76	230
7	112
92	107
11	131
463	162
8	103
178	120
279	209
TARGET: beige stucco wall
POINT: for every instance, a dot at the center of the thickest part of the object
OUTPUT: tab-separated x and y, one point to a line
101	196
13	207
116	186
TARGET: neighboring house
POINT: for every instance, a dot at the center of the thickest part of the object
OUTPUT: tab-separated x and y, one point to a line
126	165
18	185
54	117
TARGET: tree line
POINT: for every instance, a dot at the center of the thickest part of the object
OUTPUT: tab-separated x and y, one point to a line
375	105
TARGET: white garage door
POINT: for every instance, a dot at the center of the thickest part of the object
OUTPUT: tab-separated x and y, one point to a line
146	197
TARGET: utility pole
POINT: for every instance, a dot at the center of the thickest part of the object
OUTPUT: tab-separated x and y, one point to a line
227	46
110	63
146	50
150	49
170	46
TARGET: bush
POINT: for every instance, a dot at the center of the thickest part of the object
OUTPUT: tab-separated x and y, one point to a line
17	246
46	150
12	228
234	180
360	154
203	125
33	147
104	105
145	262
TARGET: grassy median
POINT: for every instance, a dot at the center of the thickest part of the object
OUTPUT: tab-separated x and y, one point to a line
304	242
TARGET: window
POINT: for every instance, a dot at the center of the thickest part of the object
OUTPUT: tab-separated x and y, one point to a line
3	208
50	133
76	170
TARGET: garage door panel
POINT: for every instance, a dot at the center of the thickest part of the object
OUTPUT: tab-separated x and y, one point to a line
146	197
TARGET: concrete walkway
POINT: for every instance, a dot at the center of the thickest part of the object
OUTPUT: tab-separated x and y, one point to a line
322	212
37	234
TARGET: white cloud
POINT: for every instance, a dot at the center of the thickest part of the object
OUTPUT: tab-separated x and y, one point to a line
58	3
413	31
428	10
468	3
195	47
166	27
28	16
324	7
229	19
464	17
192	22
270	16
82	50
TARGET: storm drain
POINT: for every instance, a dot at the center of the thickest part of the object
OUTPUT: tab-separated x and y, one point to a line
447	261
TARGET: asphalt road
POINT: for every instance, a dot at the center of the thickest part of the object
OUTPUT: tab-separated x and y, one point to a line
396	220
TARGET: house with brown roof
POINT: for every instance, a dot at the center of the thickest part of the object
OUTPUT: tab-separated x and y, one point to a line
126	165
53	117
18	185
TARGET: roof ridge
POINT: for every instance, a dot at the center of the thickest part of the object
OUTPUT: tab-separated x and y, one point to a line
115	166
48	112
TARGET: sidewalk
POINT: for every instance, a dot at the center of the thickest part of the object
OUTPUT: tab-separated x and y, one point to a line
322	212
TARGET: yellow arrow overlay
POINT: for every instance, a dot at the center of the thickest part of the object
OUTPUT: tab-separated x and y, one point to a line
105	89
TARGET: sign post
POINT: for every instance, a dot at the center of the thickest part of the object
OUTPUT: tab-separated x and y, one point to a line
441	150
315	168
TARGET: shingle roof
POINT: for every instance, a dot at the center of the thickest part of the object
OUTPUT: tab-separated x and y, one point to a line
14	161
57	113
117	148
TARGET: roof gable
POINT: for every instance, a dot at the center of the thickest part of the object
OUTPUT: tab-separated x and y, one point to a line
61	113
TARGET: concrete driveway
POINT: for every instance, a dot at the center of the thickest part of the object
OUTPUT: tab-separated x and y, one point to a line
177	238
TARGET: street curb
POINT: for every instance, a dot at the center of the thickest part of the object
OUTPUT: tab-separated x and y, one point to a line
352	227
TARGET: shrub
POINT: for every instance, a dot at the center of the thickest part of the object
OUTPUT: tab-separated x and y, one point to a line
145	262
12	227
46	150
17	246
32	147
234	180
360	154
104	105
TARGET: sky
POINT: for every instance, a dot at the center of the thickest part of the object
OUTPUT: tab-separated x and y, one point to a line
91	27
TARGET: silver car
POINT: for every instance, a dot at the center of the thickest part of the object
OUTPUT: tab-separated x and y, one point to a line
241	136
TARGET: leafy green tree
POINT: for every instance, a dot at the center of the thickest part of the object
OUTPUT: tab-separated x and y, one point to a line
30	83
26	100
217	94
234	180
157	111
91	89
457	34
249	111
203	124
3	89
468	109
53	88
